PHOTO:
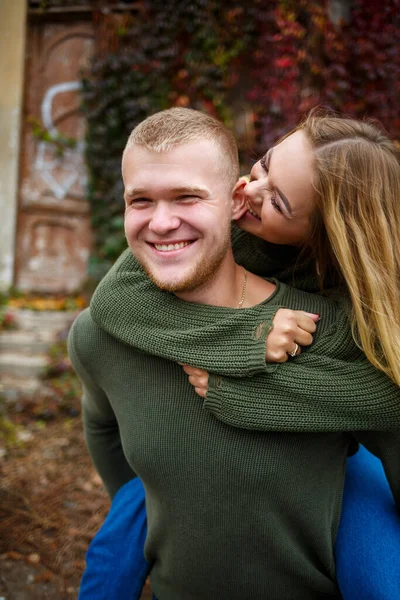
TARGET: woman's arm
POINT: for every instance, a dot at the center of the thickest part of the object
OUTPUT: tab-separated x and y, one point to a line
312	392
329	387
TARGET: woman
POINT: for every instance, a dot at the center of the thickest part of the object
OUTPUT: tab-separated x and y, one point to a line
349	225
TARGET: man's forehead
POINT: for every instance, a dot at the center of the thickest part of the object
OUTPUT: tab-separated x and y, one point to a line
202	156
195	173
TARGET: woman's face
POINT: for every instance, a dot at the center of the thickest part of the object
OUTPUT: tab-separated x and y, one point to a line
280	194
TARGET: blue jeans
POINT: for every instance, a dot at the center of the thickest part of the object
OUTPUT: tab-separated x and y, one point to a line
116	568
368	542
367	548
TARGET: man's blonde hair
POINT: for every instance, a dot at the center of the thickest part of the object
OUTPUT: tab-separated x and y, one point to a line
357	227
164	130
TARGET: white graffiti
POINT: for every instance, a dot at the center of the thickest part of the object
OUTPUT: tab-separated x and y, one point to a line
60	173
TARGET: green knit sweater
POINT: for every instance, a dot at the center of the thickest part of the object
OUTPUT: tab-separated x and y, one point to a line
232	513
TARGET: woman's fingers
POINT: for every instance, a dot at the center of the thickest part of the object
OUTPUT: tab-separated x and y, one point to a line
306	321
201	391
291	330
295	352
196	381
198	378
303	338
193	371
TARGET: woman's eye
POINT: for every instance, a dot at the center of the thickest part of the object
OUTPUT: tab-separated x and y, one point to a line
275	204
263	163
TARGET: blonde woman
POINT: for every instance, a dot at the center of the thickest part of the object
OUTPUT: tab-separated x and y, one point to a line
329	192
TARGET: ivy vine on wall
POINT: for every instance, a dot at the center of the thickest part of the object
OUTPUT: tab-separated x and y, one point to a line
258	66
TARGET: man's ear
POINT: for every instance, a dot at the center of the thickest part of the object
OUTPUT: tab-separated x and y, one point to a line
239	205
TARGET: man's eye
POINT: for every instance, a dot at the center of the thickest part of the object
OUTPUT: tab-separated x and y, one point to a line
188	198
138	201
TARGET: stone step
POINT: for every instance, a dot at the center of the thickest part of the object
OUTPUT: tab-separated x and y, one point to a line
43	321
12	388
22	365
24	351
27	342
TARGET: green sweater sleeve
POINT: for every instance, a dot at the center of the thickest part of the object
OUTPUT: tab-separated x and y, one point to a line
314	392
99	421
331	386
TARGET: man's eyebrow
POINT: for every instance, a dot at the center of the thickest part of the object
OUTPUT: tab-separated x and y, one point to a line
189	190
176	191
281	195
134	192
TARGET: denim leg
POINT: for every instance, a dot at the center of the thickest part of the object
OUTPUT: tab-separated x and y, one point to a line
368	541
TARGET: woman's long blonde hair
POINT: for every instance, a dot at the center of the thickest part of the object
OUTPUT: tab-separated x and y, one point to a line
357	228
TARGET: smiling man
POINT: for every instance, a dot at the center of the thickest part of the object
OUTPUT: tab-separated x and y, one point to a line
232	513
180	201
178	213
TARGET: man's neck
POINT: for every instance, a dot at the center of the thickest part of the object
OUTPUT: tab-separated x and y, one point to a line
230	287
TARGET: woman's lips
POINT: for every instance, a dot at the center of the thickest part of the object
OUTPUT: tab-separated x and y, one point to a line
252	212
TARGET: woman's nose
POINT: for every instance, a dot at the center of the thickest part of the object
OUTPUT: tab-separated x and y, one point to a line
253	192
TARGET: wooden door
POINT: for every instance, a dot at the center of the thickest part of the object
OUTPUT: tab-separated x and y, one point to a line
53	235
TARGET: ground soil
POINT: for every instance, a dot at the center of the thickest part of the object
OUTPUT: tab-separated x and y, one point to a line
51	504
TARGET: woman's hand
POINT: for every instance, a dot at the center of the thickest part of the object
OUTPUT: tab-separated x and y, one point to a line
291	330
198	378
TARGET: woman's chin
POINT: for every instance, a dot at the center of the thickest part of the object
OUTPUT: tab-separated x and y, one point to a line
250	224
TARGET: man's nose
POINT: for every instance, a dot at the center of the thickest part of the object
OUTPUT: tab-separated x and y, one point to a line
164	218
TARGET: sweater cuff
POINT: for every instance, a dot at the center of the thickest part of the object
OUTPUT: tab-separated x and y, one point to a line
256	351
213	400
222	409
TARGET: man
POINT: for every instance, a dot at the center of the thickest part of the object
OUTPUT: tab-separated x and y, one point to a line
231	513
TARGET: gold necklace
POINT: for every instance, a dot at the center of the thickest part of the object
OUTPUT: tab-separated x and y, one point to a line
243	290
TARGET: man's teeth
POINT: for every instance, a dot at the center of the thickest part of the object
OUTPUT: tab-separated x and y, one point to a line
169	247
251	211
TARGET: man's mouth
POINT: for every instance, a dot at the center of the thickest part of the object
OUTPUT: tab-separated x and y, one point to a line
251	211
171	246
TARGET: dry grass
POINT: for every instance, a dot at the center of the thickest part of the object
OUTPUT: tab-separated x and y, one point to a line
51	502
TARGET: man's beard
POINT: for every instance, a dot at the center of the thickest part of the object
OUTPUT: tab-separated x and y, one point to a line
199	275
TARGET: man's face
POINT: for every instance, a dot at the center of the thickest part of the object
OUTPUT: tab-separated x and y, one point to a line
178	209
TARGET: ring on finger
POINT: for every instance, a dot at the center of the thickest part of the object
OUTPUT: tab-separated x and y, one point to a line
294	352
